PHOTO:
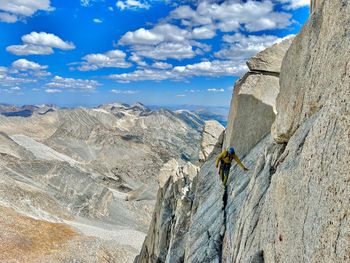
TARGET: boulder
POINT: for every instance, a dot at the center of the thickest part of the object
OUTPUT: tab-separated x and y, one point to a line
211	133
270	59
253	105
252	111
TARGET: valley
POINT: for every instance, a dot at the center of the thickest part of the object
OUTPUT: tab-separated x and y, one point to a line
93	174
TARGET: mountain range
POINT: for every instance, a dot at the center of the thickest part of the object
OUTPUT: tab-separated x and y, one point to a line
219	114
89	176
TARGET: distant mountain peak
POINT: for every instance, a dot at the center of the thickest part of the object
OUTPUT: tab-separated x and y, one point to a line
139	106
114	105
25	110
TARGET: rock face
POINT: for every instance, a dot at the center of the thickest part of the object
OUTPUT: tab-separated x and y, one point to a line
293	204
92	173
270	59
26	110
168	237
320	88
253	105
173	201
314	4
211	132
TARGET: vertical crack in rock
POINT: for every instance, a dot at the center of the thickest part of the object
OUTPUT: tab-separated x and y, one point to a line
223	228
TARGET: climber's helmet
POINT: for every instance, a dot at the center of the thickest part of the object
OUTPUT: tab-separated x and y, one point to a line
231	150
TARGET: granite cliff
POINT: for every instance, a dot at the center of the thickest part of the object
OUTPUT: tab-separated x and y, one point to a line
293	204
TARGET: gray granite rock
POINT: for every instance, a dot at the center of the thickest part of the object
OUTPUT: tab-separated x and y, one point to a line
253	104
252	111
211	133
314	4
171	218
293	204
270	59
315	69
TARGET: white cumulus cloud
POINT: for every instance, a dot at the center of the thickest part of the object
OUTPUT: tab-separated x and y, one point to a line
215	68
165	41
72	84
159	33
97	20
110	59
178	35
240	47
125	92
53	91
295	4
24	64
161	65
203	32
215	90
47	40
39	44
176	50
29	69
8	79
132	4
231	16
16	88
8	18
16	9
23	50
192	90
141	36
144	74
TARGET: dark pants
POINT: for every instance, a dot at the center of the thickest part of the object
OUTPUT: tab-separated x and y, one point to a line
224	172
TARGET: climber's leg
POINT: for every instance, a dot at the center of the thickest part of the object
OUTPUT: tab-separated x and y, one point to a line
225	179
221	173
226	173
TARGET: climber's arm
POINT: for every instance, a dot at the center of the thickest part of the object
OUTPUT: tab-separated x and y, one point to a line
219	158
235	157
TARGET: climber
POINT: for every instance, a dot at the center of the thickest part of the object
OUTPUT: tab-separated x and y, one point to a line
225	159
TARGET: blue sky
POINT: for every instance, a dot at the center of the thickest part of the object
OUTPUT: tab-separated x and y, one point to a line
85	53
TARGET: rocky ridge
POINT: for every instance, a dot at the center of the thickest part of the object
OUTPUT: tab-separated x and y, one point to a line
91	174
26	110
293	204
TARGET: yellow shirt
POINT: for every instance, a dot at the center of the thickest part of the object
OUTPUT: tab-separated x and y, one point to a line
228	158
